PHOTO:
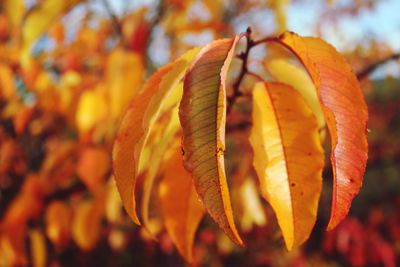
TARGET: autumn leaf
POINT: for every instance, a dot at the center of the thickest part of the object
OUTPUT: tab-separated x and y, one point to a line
253	212
86	224
202	115
93	164
286	72
288	158
15	10
124	77
345	112
26	206
38	248
181	208
279	7
58	223
158	146
38	20
137	124
92	109
7	87
113	205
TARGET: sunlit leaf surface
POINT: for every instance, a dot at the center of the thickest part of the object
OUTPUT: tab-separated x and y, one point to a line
345	112
288	158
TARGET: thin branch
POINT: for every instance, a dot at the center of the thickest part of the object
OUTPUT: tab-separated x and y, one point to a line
369	69
244	57
114	19
265	40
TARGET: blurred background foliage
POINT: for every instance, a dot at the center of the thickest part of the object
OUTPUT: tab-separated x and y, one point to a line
68	70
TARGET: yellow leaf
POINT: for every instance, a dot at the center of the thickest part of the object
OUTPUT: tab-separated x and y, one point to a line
202	115
7	88
182	211
137	124
124	78
279	7
113	203
253	212
345	112
92	109
38	248
43	82
86	225
38	20
288	73
93	164
15	10
58	223
288	158
158	147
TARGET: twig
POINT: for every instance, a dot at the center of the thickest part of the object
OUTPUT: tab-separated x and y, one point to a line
265	40
244	57
369	69
114	19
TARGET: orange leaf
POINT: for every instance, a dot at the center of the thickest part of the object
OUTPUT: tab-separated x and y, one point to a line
58	223
203	114
38	248
124	77
93	164
157	147
7	87
345	112
288	158
137	124
38	19
86	225
182	211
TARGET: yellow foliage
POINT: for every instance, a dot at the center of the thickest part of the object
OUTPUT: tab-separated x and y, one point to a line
86	225
124	78
15	10
288	162
288	73
92	109
7	88
38	20
38	248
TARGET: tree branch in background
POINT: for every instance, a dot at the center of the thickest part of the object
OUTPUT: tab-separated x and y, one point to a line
113	17
65	193
369	69
240	126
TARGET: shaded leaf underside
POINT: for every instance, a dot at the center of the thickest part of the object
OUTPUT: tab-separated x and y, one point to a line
202	114
182	211
137	124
